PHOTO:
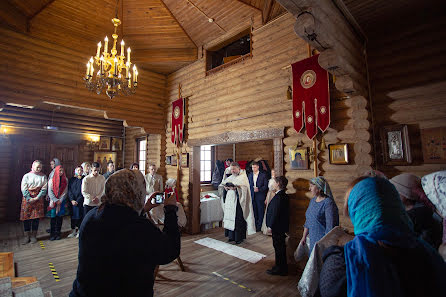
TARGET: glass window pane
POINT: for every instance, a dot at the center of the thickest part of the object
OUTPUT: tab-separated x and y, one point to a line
202	165
142	155
142	145
142	165
202	155
202	176
207	166
207	155
207	175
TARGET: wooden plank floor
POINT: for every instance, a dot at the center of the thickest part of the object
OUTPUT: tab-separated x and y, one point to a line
197	280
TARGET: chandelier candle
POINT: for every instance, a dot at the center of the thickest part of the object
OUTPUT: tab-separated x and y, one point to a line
110	76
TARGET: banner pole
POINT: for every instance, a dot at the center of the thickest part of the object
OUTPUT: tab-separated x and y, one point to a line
314	139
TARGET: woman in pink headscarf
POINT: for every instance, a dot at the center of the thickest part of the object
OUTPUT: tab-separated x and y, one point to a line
34	188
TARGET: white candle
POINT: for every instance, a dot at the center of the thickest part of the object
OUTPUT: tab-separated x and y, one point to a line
136	75
116	66
88	69
128	55
122	48
127	66
99	49
91	66
130	80
106	44
134	70
92	70
102	65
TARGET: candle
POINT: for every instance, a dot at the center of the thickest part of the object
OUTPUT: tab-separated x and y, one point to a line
106	44
91	66
122	48
116	66
134	70
127	66
130	80
102	65
88	69
136	75
99	49
128	55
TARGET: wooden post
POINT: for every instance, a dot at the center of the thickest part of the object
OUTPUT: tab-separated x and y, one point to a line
314	139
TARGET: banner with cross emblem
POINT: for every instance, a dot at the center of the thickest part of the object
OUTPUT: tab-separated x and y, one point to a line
178	112
311	96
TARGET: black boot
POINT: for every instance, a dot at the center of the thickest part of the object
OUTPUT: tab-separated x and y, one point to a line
53	229
59	221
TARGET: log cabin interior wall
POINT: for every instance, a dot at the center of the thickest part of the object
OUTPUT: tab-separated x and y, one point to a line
247	151
251	95
408	79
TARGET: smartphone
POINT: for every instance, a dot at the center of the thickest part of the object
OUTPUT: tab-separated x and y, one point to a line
159	198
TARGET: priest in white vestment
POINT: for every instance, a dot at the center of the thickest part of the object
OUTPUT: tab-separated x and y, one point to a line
238	219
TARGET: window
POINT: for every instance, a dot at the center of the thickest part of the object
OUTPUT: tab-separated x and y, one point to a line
206	163
233	50
141	153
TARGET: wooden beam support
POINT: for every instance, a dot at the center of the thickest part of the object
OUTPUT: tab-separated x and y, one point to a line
12	16
31	17
267	10
165	55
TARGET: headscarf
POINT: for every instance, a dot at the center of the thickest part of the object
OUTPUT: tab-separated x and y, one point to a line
405	184
83	165
33	167
321	183
126	187
434	185
79	176
379	218
59	182
56	162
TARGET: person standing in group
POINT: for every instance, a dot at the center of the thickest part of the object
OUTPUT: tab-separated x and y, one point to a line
57	191
54	163
93	188
271	193
77	201
278	220
154	181
110	170
134	166
322	214
34	188
258	184
238	216
86	168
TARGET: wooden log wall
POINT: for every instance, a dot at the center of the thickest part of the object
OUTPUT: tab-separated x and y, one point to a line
39	71
247	151
408	78
251	95
6	162
224	151
131	135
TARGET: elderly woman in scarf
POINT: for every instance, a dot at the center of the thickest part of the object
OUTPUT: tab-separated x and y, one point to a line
434	186
86	168
57	191
386	258
54	163
34	187
426	223
322	214
119	248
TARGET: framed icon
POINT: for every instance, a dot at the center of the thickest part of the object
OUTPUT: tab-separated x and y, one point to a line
104	143
298	158
396	145
338	153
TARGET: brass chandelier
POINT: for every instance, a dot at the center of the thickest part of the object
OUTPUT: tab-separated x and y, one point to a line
111	68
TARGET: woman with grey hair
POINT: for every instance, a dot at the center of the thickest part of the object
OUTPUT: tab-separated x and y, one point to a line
115	240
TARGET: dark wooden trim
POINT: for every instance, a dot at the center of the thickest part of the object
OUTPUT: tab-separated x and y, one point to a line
194	191
238	136
278	156
223	66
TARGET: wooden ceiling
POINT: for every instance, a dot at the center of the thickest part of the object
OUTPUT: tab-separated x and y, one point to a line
164	34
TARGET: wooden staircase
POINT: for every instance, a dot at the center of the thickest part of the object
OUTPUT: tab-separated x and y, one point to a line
12	286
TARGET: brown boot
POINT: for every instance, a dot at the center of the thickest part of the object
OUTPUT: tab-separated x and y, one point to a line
26	238
33	236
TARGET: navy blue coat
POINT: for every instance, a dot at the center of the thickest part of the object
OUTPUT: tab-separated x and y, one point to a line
262	184
74	190
278	213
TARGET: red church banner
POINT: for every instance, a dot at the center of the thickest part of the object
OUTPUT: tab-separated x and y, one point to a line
178	111
311	96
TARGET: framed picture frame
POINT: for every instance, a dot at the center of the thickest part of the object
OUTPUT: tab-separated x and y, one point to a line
116	144
433	142
395	145
298	158
104	143
338	153
103	158
184	160
168	160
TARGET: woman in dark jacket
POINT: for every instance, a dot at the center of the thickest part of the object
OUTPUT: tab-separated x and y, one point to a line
118	248
76	200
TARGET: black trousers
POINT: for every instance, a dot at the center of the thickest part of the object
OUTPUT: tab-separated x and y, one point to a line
56	226
32	224
239	232
87	209
280	251
258	207
76	223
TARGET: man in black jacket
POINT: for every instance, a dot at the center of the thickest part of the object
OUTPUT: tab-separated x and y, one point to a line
278	219
258	184
77	201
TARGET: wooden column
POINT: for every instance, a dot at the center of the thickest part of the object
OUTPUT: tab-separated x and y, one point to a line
194	186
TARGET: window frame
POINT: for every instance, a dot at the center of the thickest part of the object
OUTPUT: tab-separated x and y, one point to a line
208	182
138	151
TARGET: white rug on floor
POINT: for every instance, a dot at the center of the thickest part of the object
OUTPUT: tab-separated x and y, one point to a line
231	249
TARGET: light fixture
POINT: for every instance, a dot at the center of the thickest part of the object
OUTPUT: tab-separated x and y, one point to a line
111	66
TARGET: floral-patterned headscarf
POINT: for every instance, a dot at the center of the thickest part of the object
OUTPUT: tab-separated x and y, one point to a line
322	185
126	187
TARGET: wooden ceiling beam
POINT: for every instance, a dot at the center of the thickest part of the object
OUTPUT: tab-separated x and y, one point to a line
31	17
179	24
166	55
249	5
12	16
266	12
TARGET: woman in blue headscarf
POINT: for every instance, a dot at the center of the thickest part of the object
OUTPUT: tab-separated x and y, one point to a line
322	214
386	258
